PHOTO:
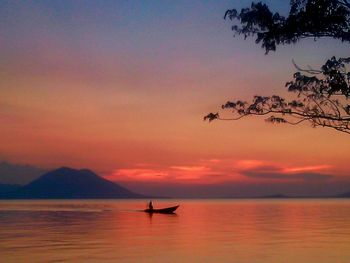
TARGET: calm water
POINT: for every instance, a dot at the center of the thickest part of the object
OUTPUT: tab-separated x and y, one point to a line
201	231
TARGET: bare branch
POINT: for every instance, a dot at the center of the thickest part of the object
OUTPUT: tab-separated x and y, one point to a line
321	95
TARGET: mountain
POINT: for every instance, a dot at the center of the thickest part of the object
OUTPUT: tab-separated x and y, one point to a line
5	188
344	195
11	173
275	196
68	183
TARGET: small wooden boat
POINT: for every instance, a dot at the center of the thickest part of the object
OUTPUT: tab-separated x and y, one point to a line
167	210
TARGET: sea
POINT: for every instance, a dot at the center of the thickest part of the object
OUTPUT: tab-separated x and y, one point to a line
206	230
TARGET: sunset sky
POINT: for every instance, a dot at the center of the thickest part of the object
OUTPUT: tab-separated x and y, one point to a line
121	87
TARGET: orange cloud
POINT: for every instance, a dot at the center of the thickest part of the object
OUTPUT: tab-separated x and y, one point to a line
221	171
190	168
248	164
138	174
307	168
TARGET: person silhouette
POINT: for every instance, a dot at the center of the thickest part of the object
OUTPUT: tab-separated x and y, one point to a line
150	205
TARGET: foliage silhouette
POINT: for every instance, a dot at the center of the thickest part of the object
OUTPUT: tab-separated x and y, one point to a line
321	95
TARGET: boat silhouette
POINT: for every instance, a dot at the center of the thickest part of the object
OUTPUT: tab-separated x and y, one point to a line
166	210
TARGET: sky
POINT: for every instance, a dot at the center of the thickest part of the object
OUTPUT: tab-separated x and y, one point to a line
121	87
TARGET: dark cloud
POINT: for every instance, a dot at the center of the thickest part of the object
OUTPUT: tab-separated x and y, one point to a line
265	169
18	173
261	174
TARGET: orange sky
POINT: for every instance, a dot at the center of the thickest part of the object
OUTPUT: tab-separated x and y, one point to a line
128	99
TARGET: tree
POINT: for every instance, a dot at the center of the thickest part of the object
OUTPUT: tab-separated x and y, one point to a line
321	96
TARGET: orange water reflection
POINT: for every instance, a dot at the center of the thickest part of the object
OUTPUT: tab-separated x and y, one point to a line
201	231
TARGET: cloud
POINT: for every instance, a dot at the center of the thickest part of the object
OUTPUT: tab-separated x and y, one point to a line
307	168
287	176
196	173
18	173
249	164
138	174
221	171
268	171
231	178
306	173
190	168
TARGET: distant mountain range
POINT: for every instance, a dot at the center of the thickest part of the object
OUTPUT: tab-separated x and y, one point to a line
67	183
275	196
5	188
344	195
282	196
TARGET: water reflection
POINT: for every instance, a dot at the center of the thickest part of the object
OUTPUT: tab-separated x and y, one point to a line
201	231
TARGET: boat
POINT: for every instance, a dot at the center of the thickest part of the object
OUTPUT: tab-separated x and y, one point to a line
167	210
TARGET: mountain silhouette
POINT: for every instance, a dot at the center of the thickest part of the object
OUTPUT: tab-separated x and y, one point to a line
275	196
5	188
68	183
344	195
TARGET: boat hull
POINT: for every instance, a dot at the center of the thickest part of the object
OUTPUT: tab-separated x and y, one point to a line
167	210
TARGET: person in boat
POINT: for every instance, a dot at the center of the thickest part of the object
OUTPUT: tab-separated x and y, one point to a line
150	205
